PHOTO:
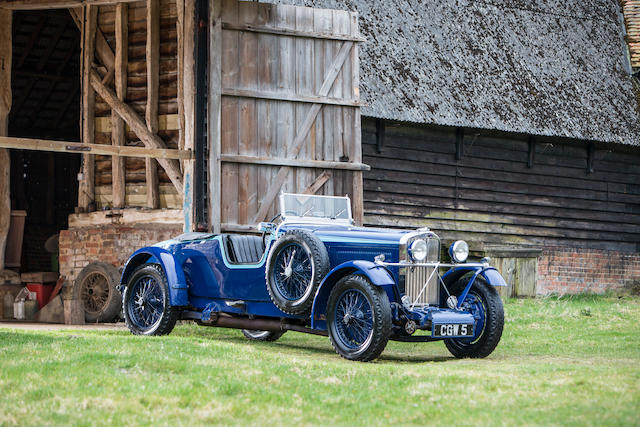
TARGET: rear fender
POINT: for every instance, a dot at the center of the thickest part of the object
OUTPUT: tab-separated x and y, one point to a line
377	275
178	289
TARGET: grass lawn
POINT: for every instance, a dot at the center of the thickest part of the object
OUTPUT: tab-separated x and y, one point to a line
568	361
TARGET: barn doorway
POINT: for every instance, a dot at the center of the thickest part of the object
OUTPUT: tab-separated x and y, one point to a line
46	105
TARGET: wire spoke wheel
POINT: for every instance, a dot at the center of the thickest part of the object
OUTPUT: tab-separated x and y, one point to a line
95	287
94	292
358	318
147	303
484	303
296	265
294	271
354	318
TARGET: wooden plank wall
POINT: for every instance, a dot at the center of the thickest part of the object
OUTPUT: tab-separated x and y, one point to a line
260	66
491	195
136	97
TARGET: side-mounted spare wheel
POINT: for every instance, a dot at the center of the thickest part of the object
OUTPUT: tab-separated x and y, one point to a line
146	305
296	265
96	289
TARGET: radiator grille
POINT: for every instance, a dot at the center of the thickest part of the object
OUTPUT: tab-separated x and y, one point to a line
416	277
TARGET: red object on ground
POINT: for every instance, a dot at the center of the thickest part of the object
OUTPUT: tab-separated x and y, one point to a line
59	284
43	292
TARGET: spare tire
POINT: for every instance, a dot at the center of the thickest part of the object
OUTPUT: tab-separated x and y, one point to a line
296	265
96	289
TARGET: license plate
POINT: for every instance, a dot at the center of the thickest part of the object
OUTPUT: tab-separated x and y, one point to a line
452	330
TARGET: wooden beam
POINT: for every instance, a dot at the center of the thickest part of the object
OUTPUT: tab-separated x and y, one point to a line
95	149
55	4
153	83
302	132
591	154
317	183
303	163
380	131
102	48
357	188
214	112
129	216
459	143
5	107
292	33
180	70
86	191
275	96
532	152
118	132
138	126
165	122
189	88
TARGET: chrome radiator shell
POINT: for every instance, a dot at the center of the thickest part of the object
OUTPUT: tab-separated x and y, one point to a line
415	277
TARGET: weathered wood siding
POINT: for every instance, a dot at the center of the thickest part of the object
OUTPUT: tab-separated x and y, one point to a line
491	195
276	67
136	97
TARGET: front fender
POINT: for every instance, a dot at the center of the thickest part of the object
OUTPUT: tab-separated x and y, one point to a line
377	275
176	279
489	274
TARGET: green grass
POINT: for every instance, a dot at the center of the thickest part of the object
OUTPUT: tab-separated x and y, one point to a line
561	361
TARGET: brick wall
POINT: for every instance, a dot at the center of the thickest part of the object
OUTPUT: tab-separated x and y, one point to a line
570	271
112	244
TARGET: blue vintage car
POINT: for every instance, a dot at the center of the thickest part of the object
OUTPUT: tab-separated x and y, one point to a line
313	271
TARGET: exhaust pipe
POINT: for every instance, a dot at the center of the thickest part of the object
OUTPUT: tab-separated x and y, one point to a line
223	320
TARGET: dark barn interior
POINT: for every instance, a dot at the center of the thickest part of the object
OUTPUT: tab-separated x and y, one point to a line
46	105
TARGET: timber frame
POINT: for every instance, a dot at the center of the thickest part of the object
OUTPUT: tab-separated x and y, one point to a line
104	74
196	152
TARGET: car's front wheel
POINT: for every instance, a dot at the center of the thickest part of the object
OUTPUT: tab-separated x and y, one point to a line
486	306
146	305
358	319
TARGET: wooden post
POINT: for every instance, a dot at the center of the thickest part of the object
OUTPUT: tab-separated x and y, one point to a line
5	107
86	193
153	75
358	184
180	71
118	132
189	85
214	129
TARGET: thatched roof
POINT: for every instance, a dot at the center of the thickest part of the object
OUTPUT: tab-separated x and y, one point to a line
556	68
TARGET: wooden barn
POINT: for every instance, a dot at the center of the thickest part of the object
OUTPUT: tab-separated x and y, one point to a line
514	127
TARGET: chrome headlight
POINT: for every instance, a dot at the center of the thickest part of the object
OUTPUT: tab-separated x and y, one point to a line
459	251
418	250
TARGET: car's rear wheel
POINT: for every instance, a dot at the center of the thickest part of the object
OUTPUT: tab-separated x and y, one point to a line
255	335
296	265
146	305
485	304
358	319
